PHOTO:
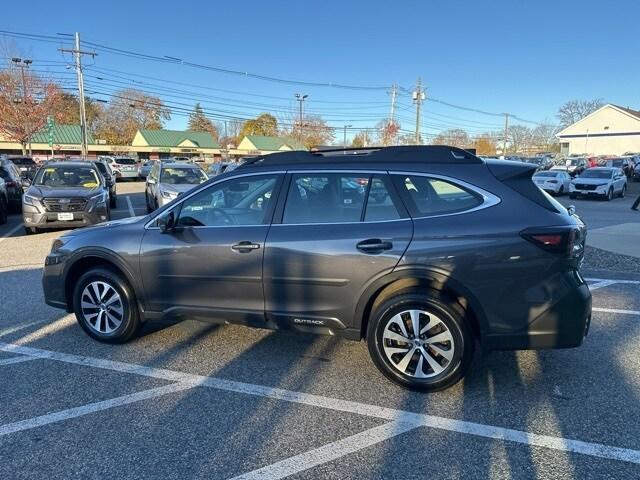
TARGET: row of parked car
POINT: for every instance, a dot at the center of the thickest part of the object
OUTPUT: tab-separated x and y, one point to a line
603	182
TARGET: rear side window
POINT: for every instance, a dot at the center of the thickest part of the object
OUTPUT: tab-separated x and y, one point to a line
380	206
433	196
325	198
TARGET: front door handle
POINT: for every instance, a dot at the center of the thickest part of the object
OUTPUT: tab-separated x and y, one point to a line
245	247
374	245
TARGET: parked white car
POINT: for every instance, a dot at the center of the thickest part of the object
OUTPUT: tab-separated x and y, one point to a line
599	182
556	182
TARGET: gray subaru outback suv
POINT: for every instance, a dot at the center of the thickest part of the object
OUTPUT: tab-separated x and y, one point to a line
422	251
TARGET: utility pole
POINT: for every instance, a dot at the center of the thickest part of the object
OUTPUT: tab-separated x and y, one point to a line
83	112
344	142
394	93
301	98
22	64
506	132
418	97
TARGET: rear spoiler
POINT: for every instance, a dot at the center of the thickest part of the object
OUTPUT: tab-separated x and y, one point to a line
517	176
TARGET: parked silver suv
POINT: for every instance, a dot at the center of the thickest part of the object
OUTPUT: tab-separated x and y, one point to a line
167	180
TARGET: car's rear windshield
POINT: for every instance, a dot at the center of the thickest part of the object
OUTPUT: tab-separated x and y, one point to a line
177	176
67	176
591	173
22	161
125	161
574	161
616	163
546	174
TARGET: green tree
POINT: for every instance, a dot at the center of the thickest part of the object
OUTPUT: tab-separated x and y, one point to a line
198	122
264	124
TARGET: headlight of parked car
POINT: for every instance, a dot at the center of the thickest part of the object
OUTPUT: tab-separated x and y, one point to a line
170	194
100	198
29	200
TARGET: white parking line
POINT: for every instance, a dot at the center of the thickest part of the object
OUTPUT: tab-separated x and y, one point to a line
628	282
12	360
10	232
616	310
600	284
442	423
328	453
91	408
130	205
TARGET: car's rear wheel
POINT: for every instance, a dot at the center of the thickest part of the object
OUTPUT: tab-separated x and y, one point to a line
421	340
4	211
105	306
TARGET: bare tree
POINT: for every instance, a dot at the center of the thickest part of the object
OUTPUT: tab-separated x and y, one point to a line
25	103
575	110
387	132
455	137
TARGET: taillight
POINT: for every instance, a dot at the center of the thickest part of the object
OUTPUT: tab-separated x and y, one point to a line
564	241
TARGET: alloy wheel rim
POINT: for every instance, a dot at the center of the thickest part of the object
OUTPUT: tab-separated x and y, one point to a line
418	343
102	307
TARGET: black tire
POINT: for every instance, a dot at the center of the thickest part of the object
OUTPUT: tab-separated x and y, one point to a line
146	200
113	202
609	196
561	191
4	211
624	191
449	313
130	321
572	196
31	230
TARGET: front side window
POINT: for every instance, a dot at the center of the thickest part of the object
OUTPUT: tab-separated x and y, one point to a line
239	201
325	198
433	196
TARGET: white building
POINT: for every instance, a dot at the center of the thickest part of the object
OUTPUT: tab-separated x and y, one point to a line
610	130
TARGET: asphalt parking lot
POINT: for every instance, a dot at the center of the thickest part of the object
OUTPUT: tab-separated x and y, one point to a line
189	399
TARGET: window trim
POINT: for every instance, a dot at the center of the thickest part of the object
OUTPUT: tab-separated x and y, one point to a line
279	174
488	199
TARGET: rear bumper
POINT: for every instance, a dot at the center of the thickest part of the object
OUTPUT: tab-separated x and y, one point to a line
564	324
133	174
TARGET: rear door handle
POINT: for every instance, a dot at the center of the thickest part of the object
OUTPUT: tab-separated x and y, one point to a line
374	245
245	247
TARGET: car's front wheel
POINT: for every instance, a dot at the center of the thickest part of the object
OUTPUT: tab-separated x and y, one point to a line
421	340
113	201
610	194
623	192
105	306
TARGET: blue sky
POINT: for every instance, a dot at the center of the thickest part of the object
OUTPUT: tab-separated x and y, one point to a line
526	58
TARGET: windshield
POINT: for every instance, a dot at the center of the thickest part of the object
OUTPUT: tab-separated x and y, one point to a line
616	163
67	176
574	162
596	174
546	174
22	161
125	161
176	176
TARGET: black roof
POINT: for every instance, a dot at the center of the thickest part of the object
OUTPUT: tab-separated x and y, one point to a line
403	154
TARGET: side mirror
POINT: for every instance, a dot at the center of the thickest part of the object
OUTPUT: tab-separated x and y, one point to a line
166	222
151	181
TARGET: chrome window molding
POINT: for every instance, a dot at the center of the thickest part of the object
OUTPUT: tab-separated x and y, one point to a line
488	199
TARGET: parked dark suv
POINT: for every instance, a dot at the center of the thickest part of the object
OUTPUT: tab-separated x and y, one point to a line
423	251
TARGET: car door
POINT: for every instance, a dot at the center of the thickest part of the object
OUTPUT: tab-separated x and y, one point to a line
333	234
210	264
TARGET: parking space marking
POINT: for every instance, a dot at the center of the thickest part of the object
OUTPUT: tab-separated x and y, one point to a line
628	282
329	452
10	232
12	360
92	407
616	310
130	206
188	380
600	284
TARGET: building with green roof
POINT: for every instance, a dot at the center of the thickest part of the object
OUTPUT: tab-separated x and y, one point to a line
263	144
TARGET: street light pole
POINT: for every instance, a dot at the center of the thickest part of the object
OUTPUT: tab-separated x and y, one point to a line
300	98
22	64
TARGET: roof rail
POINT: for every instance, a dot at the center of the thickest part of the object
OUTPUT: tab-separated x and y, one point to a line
399	154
